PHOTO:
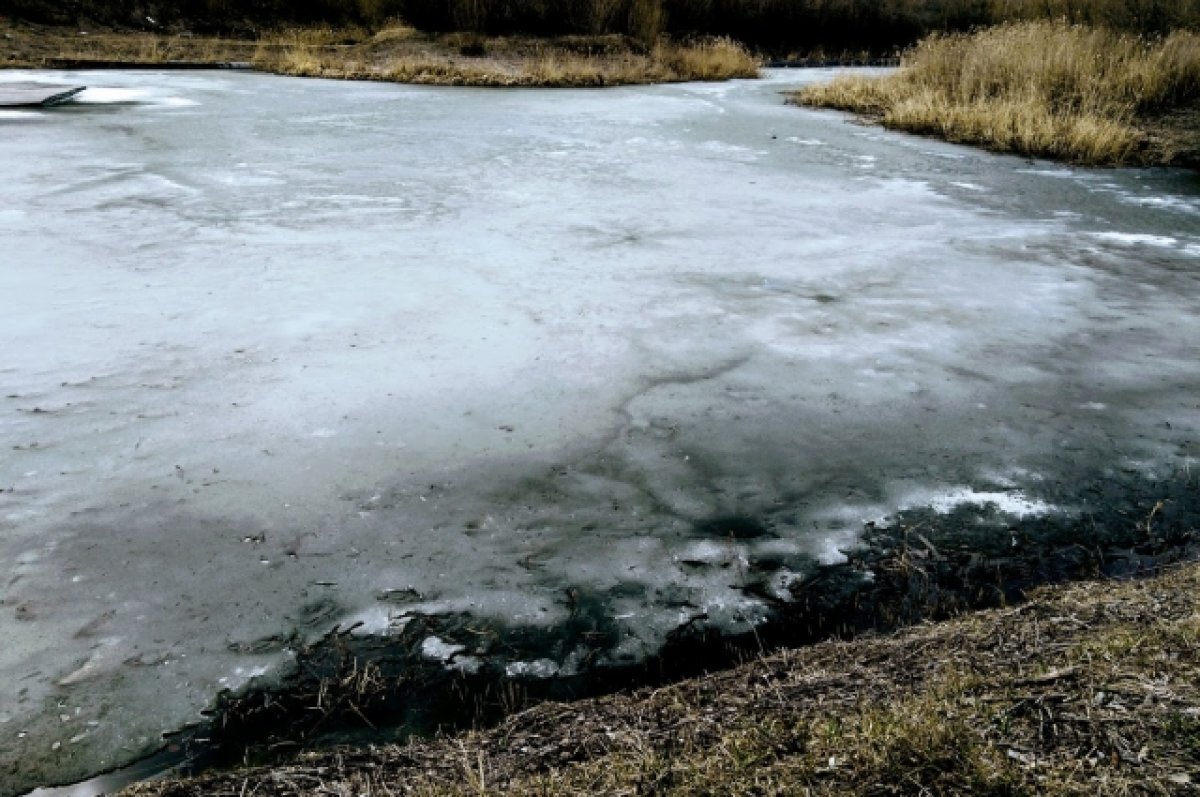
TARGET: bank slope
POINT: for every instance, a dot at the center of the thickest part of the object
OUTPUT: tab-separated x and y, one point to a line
1091	688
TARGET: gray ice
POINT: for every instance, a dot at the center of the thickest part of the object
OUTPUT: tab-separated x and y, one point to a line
273	347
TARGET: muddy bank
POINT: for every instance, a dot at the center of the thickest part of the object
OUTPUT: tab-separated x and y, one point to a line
1089	689
442	674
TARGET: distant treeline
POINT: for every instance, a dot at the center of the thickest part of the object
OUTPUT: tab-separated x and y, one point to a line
773	25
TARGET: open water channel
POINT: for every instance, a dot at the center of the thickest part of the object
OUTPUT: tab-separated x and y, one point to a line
279	356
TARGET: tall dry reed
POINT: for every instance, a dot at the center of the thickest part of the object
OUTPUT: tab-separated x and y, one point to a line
1037	88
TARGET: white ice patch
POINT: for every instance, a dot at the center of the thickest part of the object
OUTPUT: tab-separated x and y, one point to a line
467	664
1059	174
1010	503
1135	239
438	649
805	142
112	96
829	552
967	186
372	621
103	95
1167	202
540	668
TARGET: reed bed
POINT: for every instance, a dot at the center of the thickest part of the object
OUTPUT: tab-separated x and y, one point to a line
1051	89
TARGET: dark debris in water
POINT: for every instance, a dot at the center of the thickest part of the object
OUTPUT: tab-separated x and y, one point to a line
924	566
735	527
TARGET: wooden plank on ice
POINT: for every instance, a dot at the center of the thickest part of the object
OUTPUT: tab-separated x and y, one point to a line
26	95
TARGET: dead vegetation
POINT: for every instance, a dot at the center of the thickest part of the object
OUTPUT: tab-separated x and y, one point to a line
1092	688
400	53
480	61
1082	94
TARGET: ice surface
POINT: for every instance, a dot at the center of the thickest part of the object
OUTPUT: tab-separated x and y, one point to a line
276	349
1136	239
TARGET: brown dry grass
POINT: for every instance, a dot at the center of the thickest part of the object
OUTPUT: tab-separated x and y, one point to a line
1035	88
494	62
400	53
1088	689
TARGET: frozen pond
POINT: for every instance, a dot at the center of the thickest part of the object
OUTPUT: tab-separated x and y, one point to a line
278	351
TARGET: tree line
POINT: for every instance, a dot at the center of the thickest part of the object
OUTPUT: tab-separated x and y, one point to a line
770	25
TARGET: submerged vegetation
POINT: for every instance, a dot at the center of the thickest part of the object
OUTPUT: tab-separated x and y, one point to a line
1087	689
1083	94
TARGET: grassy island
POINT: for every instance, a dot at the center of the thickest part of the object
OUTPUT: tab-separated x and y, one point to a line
396	52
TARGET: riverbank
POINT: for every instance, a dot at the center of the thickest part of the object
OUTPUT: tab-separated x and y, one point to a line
396	53
1091	688
1073	93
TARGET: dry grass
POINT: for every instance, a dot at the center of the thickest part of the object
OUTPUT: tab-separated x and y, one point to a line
400	53
1035	88
135	48
715	59
1088	689
495	64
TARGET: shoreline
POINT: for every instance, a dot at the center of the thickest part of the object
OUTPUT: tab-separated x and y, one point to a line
917	577
1080	95
397	53
959	705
